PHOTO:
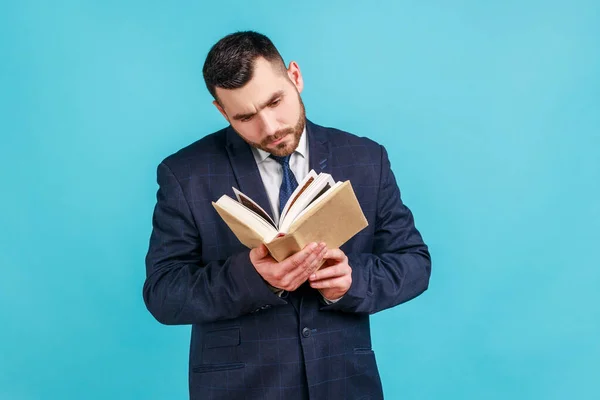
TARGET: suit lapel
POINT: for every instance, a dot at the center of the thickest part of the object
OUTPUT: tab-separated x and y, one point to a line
319	152
246	171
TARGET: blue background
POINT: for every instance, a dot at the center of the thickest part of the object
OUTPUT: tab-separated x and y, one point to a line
491	115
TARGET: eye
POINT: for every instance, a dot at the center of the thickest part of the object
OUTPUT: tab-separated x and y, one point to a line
246	119
275	103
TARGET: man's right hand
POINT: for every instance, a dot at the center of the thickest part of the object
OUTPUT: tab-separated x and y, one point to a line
291	272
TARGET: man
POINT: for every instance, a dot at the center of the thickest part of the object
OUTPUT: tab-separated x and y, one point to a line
262	329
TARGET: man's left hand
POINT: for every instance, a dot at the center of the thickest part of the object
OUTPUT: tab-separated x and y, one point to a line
334	278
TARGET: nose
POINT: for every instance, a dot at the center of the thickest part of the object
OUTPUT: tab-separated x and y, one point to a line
269	125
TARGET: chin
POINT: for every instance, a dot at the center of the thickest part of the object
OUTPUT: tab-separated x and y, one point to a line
277	148
285	148
281	151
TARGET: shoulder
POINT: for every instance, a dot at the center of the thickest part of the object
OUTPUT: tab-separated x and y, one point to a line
344	142
206	150
342	137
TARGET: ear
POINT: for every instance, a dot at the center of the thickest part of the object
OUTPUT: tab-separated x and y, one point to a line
295	76
221	110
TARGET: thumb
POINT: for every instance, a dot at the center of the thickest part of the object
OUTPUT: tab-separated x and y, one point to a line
262	251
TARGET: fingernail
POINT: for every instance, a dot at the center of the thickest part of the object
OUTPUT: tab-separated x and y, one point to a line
313	276
313	246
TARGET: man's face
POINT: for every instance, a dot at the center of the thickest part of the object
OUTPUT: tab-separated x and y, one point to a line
267	112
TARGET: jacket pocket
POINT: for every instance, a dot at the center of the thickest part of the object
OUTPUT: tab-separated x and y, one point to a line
222	338
201	368
363	350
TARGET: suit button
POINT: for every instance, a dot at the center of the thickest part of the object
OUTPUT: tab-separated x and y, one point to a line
306	332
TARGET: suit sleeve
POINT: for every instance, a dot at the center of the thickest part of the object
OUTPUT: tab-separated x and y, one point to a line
180	288
399	267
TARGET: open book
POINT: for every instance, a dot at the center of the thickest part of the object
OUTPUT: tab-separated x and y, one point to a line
319	210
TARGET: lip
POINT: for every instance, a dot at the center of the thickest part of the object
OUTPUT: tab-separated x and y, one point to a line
278	141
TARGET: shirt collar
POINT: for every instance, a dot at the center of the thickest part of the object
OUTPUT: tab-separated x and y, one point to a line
302	149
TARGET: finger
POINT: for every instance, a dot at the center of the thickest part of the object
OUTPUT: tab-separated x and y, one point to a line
263	251
333	283
295	260
335	254
330	272
260	251
303	258
311	264
315	264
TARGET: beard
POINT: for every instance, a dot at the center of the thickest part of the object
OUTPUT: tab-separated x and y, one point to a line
283	149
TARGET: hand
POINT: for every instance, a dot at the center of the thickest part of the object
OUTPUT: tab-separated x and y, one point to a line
291	272
335	277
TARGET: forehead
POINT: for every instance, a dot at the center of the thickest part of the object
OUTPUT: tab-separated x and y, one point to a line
266	80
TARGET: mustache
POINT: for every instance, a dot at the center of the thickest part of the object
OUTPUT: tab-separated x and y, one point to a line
278	135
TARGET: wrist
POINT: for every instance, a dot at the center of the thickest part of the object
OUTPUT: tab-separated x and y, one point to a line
331	299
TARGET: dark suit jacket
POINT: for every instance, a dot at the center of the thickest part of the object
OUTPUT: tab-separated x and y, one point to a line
248	343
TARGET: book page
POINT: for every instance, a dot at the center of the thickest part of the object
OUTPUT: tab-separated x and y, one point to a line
321	197
302	186
326	188
252	205
302	189
316	189
247	217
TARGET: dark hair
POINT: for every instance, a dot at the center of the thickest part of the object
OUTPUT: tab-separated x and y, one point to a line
230	62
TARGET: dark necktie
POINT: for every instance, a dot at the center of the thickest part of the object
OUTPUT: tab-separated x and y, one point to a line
288	183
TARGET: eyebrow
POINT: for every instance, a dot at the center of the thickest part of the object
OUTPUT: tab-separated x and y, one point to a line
273	97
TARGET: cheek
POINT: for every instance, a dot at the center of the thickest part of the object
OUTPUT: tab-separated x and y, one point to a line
289	113
249	130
